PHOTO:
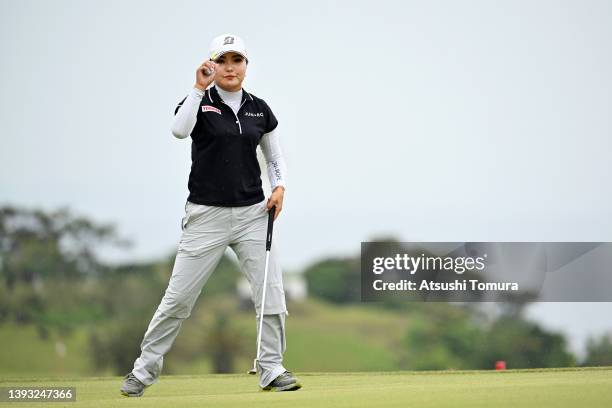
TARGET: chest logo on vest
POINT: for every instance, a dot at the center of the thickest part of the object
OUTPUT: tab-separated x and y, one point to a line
256	115
208	108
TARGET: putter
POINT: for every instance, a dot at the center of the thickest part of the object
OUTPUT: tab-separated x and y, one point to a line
271	213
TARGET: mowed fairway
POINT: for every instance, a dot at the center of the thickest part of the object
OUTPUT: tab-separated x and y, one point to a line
586	387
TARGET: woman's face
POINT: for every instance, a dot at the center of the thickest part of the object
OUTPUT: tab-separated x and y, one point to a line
230	72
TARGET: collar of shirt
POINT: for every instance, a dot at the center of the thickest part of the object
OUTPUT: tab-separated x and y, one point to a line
214	97
230	96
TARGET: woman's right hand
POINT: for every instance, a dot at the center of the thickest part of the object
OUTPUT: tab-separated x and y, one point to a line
203	80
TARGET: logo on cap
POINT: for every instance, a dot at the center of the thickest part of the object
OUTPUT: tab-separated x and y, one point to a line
228	40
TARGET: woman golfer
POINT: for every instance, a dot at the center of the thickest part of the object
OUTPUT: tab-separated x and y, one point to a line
226	206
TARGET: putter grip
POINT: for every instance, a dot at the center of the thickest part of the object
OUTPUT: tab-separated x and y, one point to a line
270	227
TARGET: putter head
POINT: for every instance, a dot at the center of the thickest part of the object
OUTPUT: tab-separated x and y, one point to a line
253	370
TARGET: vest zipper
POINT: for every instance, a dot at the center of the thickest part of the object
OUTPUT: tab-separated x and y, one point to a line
237	120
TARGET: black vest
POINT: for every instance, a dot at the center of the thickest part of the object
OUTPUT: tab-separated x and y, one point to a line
224	167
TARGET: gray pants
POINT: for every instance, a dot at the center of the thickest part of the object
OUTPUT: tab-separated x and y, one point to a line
207	231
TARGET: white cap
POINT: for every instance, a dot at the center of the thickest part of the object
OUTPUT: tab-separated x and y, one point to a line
225	43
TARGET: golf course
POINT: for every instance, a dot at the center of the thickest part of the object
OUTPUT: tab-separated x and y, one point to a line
567	387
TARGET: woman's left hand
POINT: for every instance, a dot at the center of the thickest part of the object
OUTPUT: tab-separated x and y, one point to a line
276	199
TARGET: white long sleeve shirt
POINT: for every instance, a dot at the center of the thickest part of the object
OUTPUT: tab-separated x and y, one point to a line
185	120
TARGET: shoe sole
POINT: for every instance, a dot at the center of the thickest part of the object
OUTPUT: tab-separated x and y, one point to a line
127	394
289	387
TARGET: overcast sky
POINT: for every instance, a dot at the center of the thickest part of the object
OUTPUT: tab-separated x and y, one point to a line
427	121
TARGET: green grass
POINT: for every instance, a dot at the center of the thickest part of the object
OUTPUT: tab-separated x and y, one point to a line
320	337
24	354
326	337
570	387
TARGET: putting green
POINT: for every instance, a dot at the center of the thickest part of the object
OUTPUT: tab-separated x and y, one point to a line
570	387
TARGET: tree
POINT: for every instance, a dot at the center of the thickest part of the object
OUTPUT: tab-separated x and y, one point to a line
222	343
523	344
442	336
44	257
599	351
335	280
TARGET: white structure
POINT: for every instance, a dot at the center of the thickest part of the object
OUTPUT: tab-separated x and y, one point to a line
294	285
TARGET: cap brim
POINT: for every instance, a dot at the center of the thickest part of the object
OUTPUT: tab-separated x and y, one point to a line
216	56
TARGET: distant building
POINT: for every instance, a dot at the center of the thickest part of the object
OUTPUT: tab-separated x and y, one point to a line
294	285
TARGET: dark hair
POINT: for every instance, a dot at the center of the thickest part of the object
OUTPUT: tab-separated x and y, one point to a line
242	56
